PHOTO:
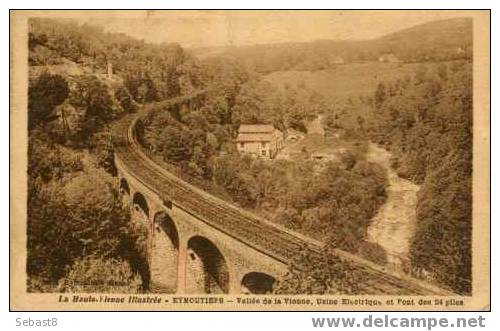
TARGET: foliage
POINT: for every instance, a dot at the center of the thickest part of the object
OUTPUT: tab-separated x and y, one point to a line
102	147
126	100
340	200
48	161
71	201
142	89
82	217
77	208
46	92
36	284
427	123
259	101
193	138
337	201
442	242
81	110
373	252
323	273
151	72
92	274
92	94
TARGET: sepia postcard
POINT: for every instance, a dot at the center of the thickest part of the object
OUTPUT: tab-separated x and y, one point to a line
250	160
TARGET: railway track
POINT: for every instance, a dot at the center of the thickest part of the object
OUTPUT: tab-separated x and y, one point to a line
253	231
263	236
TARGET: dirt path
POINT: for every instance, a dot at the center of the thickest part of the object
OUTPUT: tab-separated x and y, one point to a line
393	226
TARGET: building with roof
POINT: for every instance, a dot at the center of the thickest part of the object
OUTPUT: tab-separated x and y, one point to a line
259	140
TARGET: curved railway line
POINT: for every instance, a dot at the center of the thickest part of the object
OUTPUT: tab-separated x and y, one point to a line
264	236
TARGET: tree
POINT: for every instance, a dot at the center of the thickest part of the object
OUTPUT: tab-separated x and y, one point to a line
125	99
428	127
93	96
83	217
178	145
380	94
173	87
47	161
46	92
361	123
102	147
92	274
36	39
322	273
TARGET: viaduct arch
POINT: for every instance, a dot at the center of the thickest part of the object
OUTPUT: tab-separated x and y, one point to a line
124	188
164	253
207	268
257	283
140	204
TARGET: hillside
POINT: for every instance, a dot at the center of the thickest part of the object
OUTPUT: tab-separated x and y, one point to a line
450	32
73	99
151	72
350	80
449	39
435	41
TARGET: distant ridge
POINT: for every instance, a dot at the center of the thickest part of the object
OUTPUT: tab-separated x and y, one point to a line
455	32
441	40
452	28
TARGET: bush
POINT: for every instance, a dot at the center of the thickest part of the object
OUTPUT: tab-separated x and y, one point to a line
373	252
102	147
325	273
84	216
92	274
126	100
44	94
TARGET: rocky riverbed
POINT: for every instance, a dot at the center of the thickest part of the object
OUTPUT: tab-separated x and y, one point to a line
394	225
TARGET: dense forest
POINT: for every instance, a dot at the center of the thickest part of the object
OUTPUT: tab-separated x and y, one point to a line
425	120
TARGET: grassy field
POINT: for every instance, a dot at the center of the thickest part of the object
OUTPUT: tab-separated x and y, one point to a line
348	80
343	86
315	143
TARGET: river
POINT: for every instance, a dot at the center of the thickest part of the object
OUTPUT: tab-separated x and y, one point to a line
394	225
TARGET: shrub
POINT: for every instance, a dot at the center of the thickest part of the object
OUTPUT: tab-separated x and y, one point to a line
323	273
44	94
92	274
373	252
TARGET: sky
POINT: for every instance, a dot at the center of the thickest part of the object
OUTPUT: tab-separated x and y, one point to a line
224	28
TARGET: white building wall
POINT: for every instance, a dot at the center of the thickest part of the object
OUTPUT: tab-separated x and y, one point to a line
255	148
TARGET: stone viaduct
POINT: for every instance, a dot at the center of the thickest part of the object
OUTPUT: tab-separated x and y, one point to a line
198	243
